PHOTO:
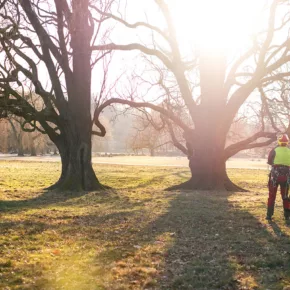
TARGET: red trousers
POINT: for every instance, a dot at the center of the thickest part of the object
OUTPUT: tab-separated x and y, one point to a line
282	181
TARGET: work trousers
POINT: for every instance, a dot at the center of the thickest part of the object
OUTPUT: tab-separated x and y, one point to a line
273	188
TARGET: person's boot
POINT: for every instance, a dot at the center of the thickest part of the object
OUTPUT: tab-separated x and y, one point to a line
270	212
287	214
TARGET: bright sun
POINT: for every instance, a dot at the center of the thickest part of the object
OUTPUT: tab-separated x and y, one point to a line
216	24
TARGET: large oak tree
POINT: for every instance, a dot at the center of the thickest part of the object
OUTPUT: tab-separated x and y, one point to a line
46	47
206	117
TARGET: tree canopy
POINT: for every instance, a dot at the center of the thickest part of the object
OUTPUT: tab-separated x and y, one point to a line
203	91
46	47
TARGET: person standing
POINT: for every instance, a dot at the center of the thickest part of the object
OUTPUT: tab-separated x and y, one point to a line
279	159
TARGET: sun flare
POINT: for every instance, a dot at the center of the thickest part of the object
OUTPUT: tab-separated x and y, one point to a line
216	25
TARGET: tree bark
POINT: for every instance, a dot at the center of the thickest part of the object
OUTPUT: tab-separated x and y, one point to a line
206	143
32	151
20	150
77	172
19	140
208	172
75	145
207	161
32	146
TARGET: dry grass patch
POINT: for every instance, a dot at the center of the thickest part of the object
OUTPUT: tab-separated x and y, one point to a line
137	236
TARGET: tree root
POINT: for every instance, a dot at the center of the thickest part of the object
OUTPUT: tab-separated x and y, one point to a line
65	185
192	184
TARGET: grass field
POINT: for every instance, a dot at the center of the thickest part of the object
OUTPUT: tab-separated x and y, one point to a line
246	163
138	236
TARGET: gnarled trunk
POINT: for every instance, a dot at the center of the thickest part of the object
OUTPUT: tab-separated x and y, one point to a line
206	143
207	162
33	151
20	149
77	172
76	127
76	167
208	171
32	147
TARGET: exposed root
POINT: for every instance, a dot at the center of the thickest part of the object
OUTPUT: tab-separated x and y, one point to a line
230	186
65	185
54	186
192	184
187	185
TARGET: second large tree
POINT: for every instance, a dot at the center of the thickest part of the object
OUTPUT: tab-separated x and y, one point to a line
201	93
46	47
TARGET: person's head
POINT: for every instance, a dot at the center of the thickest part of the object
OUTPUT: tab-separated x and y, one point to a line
283	140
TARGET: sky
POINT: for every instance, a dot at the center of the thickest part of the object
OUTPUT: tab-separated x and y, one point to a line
222	24
211	25
200	24
225	24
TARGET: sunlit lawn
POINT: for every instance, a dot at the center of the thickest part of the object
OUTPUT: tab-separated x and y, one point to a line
138	236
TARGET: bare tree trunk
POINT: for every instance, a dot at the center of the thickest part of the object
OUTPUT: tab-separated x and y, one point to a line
75	146
207	142
208	172
264	152
33	151
32	146
18	138
20	145
206	160
77	171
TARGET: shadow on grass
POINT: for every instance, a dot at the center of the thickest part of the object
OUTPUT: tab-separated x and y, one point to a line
217	246
151	181
45	198
276	229
50	197
201	241
183	174
204	242
159	179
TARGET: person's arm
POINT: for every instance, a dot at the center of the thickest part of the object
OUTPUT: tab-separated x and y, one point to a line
271	157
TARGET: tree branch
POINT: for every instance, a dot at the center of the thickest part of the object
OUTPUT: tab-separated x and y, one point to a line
247	143
136	46
133	104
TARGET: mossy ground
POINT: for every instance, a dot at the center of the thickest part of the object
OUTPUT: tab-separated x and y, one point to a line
138	236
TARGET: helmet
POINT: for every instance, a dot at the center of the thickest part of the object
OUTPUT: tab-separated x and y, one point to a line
283	140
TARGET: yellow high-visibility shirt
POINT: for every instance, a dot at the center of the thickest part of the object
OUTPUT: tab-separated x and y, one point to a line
282	156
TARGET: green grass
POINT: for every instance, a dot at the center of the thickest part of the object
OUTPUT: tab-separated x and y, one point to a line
138	236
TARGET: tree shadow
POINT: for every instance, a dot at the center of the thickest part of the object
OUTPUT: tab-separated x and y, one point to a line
43	199
205	242
153	180
201	241
28	227
158	179
48	197
218	246
276	229
183	174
